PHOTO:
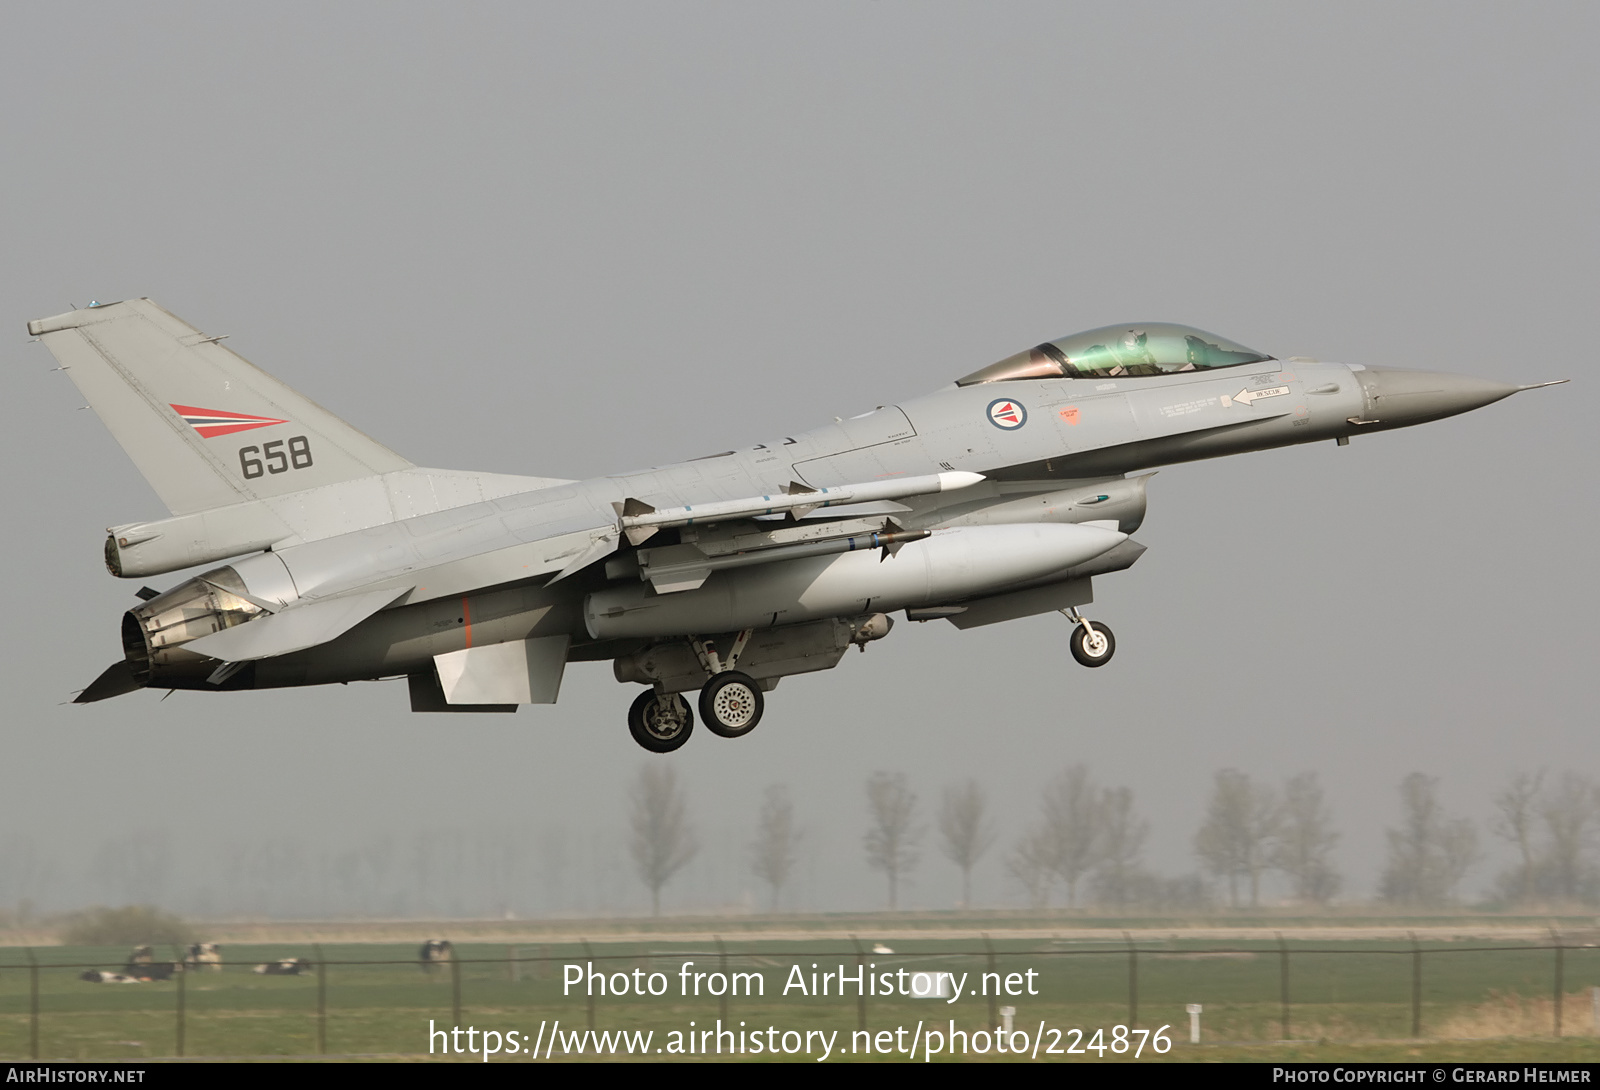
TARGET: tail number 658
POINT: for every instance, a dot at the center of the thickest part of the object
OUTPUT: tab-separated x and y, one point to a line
278	456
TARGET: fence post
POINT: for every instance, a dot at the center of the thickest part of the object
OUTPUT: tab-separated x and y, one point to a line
588	955
722	964
181	998
1283	981
322	1001
455	986
1416	986
1133	981
994	1015
861	989
1560	983
33	1005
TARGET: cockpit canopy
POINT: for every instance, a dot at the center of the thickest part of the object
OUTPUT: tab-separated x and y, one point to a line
1117	351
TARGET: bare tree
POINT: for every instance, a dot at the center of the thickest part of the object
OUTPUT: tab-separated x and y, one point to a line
893	835
500	865
555	861
26	873
776	847
1516	812
965	827
1118	877
1571	814
1072	827
1305	839
361	875
662	840
135	868
1030	863
1233	841
1429	853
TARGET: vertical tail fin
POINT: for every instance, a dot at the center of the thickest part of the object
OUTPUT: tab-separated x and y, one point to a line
205	426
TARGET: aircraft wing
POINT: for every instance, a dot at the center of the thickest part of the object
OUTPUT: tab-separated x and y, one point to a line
558	532
296	628
736	537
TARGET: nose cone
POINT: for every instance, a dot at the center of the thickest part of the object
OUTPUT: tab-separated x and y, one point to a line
1397	399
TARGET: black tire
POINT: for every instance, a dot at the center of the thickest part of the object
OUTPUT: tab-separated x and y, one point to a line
654	730
731	704
1097	653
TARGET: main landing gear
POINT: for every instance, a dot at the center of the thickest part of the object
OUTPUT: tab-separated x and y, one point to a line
1092	643
730	703
660	722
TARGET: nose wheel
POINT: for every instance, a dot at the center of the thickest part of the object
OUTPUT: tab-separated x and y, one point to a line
660	723
1092	642
731	704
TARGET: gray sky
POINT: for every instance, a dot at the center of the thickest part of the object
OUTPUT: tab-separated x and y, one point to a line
579	239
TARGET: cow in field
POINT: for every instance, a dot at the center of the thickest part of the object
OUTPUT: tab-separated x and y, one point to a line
285	967
103	976
206	955
143	966
434	953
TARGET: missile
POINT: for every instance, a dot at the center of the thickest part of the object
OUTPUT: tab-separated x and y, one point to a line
639	520
689	574
949	566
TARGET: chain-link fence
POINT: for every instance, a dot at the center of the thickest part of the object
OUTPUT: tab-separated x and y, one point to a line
350	999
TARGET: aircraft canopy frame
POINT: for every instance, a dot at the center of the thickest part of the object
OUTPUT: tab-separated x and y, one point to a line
1120	351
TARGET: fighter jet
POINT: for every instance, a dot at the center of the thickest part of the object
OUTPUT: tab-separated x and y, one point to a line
1002	495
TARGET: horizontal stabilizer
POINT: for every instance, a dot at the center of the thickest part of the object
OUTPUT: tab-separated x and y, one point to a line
117	679
296	628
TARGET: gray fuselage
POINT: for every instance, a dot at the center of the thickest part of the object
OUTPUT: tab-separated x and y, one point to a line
1075	430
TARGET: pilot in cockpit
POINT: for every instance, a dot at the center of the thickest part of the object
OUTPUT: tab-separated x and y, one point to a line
1132	355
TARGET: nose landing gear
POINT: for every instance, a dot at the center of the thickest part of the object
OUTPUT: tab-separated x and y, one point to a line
1092	643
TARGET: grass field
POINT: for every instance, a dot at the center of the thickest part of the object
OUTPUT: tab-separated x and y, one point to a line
1348	999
